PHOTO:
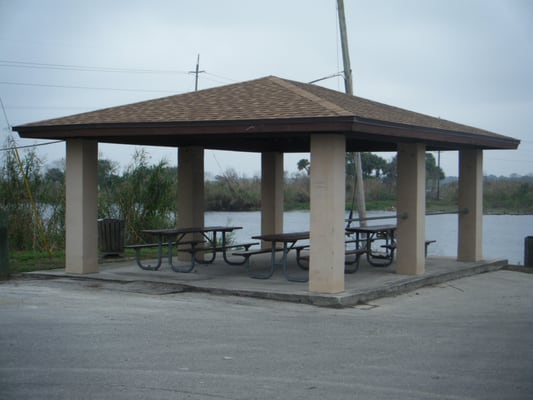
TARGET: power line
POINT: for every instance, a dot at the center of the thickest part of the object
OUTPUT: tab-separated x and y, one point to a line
222	77
84	87
87	68
327	77
30	145
72	67
50	107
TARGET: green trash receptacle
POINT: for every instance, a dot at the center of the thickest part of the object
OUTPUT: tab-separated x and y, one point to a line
111	236
528	251
4	250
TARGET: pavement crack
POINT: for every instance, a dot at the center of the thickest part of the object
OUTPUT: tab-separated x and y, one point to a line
455	287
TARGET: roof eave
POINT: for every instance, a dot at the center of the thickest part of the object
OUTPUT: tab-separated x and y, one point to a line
434	137
356	129
334	124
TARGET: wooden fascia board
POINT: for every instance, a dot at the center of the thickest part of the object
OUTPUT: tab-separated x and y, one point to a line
355	128
247	127
448	138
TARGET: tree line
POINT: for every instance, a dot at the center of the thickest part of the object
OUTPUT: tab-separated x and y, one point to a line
144	194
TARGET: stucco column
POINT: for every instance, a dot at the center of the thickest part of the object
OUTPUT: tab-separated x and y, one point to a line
190	201
81	184
271	193
326	267
411	201
470	237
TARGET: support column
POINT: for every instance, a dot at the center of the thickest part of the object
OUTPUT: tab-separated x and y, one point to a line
411	201
326	268
271	193
81	183
470	237
190	201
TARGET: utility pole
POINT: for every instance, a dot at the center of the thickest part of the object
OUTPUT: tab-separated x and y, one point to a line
196	72
348	84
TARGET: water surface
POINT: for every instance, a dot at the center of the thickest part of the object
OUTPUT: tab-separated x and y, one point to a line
503	235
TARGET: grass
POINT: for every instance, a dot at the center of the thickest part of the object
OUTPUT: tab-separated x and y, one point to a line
27	261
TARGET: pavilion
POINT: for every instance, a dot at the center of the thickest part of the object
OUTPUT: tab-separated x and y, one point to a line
272	116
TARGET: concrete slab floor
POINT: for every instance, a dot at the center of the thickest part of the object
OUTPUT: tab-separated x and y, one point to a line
367	284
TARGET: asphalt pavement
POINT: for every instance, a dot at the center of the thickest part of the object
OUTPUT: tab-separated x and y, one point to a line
470	338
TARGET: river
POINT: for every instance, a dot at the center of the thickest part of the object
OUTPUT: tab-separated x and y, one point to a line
503	235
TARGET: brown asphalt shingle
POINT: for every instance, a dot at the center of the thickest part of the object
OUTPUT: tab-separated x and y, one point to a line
265	99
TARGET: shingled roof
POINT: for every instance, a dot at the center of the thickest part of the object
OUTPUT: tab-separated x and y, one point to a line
266	114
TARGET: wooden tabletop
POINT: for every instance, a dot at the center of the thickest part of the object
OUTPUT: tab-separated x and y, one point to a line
372	228
177	231
283	237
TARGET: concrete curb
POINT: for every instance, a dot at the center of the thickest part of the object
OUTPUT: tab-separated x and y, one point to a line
351	298
348	298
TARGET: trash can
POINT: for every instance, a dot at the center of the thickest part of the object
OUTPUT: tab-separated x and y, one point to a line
111	236
528	251
4	253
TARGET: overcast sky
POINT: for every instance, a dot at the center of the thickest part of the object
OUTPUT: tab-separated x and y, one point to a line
469	61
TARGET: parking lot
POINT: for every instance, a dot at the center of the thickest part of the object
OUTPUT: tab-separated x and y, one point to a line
465	339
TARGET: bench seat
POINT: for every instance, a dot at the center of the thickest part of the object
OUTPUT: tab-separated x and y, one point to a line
249	253
348	252
141	246
426	244
210	252
232	246
191	243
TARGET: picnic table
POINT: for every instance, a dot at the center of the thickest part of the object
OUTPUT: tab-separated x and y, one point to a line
288	240
365	236
180	239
